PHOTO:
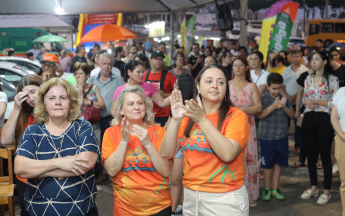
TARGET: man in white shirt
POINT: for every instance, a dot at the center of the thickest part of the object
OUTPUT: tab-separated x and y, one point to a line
290	88
34	51
96	71
114	71
291	74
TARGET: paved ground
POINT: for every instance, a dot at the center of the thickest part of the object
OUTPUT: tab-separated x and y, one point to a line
293	183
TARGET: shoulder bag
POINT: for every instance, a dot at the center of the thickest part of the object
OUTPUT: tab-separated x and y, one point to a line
91	114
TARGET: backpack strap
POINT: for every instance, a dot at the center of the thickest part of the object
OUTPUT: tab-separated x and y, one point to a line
147	75
164	75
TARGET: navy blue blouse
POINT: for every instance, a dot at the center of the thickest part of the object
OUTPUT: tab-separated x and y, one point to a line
59	196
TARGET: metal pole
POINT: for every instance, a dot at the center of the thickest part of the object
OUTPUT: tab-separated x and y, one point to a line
326	7
72	32
243	20
304	19
172	34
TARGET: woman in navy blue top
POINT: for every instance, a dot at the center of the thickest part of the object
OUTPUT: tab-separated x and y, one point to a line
57	155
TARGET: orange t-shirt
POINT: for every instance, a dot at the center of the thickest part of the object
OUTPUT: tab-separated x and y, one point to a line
31	120
203	169
138	188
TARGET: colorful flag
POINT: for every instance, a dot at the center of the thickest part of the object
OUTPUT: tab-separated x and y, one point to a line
189	35
267	26
283	26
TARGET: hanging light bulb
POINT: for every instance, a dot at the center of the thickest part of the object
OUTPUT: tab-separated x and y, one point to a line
59	10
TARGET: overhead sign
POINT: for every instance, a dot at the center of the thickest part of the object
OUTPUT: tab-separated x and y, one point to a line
267	26
283	26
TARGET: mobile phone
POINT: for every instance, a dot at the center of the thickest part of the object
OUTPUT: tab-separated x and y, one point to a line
280	96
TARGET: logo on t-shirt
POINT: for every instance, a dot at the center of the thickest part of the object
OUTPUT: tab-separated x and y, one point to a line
138	159
155	84
196	141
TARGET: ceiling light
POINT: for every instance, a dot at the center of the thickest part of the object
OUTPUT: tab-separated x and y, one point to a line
59	10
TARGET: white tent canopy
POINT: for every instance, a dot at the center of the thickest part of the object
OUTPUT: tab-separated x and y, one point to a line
98	6
32	21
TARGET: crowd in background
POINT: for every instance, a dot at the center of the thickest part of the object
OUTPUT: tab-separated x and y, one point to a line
220	113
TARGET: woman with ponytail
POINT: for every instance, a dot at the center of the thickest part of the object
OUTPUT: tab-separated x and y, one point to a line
213	136
134	72
317	130
258	74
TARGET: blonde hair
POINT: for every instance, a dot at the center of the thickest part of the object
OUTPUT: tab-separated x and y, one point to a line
149	115
40	111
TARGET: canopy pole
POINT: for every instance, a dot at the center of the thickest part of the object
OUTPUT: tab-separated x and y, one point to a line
172	34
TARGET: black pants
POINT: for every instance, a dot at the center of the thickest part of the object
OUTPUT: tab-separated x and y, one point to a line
165	212
318	135
21	188
105	124
92	212
298	132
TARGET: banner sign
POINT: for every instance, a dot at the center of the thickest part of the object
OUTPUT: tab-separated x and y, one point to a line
267	26
183	32
283	26
189	35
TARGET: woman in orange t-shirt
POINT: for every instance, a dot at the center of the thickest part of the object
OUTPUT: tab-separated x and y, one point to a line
131	156
213	141
20	118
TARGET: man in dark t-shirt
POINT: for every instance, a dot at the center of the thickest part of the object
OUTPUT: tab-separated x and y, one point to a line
196	62
79	57
119	53
338	70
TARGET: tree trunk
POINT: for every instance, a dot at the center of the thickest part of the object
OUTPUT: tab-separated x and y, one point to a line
313	12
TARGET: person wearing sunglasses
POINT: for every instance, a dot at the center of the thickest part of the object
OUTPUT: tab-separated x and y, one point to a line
50	67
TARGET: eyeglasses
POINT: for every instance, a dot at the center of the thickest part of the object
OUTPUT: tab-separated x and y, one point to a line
48	64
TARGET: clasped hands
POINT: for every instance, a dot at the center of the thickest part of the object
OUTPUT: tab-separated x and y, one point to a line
280	103
310	104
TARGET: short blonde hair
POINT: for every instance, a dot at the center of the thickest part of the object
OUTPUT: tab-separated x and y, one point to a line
149	115
40	111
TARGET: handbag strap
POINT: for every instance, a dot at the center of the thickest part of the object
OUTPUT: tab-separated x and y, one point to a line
88	90
258	78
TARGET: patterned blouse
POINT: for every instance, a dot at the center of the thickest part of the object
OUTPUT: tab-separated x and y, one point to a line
321	92
52	196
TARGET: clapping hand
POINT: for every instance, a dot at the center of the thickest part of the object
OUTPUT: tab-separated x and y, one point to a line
277	104
125	130
143	135
283	101
177	110
194	110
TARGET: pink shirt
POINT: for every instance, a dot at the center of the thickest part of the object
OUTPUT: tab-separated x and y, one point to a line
149	89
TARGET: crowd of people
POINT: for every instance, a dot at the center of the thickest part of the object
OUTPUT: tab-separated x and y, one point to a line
176	132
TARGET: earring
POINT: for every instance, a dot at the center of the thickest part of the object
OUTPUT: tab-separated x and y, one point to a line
198	95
